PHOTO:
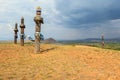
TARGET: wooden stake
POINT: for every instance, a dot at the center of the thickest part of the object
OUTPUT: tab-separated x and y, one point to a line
103	44
38	20
22	26
15	35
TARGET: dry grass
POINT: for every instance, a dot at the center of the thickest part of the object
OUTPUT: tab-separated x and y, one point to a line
58	63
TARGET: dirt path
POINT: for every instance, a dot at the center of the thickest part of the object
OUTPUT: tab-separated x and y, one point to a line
58	63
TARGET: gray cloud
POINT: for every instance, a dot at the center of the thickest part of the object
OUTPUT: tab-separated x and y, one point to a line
87	11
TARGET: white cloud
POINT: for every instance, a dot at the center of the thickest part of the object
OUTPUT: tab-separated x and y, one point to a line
59	32
54	12
5	33
12	11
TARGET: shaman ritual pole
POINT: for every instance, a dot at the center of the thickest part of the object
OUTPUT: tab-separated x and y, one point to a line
22	26
103	43
38	20
15	35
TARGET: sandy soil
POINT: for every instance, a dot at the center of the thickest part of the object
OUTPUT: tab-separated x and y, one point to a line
58	62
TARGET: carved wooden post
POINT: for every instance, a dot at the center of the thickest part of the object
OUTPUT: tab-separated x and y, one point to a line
22	26
38	20
15	36
103	41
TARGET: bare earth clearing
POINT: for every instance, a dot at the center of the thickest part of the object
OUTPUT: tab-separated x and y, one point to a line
58	62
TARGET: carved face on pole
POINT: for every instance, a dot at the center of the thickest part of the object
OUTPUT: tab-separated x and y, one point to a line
38	12
38	18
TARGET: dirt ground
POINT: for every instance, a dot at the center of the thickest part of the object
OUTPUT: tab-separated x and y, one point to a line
58	62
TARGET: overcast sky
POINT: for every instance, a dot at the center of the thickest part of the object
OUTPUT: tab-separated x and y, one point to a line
63	19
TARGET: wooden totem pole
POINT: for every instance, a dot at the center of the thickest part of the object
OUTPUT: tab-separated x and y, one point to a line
38	20
22	26
103	43
15	35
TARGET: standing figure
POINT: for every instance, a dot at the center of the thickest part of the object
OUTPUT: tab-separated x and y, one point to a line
22	35
38	20
15	36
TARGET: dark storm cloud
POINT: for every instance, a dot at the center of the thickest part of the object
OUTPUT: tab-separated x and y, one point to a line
78	12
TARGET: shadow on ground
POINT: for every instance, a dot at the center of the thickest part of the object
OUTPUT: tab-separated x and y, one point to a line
46	50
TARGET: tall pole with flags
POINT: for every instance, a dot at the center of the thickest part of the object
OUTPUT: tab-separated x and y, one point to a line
38	20
103	43
22	26
15	35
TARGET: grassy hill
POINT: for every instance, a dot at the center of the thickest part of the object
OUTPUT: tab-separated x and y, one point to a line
58	62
